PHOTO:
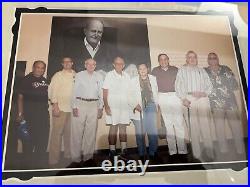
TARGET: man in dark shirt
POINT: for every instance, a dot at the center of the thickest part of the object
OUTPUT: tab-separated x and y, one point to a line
223	104
170	105
32	104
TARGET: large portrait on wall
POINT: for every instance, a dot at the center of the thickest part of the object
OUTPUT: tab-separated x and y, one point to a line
102	92
72	36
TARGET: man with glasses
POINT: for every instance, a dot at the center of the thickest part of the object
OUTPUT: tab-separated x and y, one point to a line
223	104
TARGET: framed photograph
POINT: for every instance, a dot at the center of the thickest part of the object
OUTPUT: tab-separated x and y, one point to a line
112	91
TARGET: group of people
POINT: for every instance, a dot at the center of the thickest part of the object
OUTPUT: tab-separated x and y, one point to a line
190	94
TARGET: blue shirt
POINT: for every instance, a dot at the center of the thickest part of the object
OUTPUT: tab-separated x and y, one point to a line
87	86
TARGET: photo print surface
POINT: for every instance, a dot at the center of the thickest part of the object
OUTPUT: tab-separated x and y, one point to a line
127	37
98	93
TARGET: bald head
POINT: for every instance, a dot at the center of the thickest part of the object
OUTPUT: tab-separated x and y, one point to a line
118	64
90	65
93	31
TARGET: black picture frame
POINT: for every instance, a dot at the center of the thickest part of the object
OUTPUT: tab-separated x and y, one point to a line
24	175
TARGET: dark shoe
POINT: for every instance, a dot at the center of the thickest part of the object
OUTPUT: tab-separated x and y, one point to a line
112	154
75	165
151	157
143	158
152	160
89	163
172	159
155	159
124	155
124	152
183	158
178	158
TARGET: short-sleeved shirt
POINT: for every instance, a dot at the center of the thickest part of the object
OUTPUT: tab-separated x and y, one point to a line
224	85
35	93
118	90
165	78
115	83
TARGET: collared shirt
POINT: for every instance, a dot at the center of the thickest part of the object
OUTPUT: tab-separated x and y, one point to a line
224	85
87	86
192	79
60	89
92	51
116	84
165	78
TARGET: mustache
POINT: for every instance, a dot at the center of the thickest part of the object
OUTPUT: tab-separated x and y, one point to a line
95	37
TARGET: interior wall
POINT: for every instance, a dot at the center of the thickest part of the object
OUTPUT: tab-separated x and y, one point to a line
34	39
174	35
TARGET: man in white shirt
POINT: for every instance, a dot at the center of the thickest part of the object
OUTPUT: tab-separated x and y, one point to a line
87	107
60	93
193	86
115	97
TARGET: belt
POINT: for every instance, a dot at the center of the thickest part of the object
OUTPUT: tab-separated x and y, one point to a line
88	100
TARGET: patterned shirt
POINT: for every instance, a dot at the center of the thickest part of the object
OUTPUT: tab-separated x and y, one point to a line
146	91
224	85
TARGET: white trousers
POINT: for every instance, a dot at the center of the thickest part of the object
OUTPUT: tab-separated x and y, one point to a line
171	109
83	131
200	127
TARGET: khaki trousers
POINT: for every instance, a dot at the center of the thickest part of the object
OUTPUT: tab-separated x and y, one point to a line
200	127
83	131
60	130
234	123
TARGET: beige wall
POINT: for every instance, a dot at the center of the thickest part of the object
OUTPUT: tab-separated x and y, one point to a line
34	39
171	34
221	176
175	35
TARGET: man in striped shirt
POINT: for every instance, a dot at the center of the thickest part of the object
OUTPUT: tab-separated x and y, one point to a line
193	87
